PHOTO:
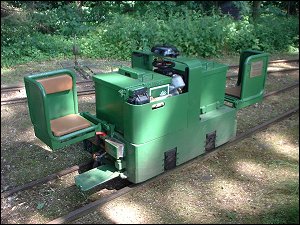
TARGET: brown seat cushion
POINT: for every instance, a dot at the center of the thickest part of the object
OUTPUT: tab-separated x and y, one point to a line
56	83
234	91
68	124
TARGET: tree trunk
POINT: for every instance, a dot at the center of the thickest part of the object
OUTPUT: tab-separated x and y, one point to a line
79	9
255	10
292	7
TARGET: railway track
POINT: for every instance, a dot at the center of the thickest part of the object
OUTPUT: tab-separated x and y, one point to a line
88	164
91	90
269	72
273	62
20	87
24	99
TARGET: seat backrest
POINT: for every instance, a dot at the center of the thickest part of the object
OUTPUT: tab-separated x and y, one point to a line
59	95
58	83
252	73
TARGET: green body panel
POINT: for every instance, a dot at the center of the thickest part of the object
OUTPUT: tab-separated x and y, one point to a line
96	176
207	81
115	81
212	87
147	160
109	98
143	123
251	78
223	121
145	77
45	107
133	73
61	104
142	60
136	77
144	161
113	89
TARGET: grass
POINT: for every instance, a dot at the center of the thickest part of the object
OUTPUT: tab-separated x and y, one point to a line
283	215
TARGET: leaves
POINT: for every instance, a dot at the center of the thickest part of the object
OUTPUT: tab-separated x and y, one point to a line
231	215
104	31
40	205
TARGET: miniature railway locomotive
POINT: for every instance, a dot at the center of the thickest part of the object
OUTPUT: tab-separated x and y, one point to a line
159	113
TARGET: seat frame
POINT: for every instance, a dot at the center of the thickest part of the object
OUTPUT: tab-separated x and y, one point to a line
40	116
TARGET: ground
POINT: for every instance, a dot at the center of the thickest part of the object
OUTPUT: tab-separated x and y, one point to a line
254	181
236	186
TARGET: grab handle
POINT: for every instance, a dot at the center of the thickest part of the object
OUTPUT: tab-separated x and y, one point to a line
158	105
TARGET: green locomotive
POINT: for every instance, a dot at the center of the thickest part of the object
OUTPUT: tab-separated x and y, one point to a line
159	113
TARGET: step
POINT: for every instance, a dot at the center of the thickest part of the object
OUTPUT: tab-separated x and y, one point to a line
96	176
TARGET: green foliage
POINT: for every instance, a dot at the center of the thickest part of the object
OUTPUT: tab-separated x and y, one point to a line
243	6
111	29
66	20
241	35
283	215
279	34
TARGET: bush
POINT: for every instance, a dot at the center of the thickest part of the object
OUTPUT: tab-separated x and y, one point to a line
277	33
46	33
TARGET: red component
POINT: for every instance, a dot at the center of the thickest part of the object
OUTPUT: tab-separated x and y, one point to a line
101	133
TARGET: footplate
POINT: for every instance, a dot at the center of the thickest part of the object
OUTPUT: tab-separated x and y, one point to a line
95	177
232	100
241	103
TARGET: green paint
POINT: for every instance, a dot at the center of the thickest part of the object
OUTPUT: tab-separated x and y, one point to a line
45	107
251	78
96	176
146	160
112	91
